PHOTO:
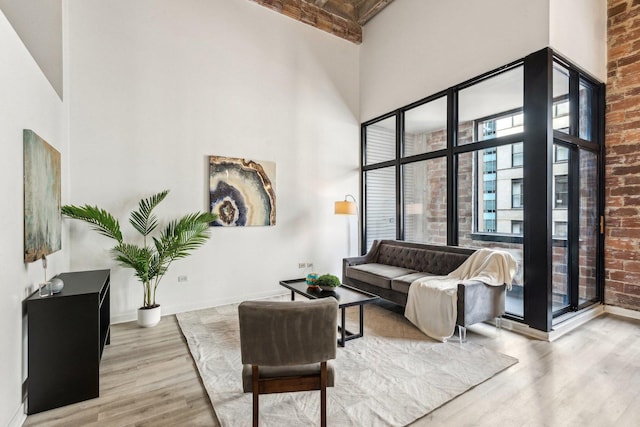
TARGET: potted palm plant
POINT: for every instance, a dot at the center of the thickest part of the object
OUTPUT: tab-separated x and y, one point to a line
151	260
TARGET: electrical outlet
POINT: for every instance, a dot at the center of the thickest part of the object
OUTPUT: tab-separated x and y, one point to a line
309	265
182	279
301	265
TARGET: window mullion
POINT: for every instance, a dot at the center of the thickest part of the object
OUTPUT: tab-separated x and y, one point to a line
398	171
452	168
574	103
574	226
538	154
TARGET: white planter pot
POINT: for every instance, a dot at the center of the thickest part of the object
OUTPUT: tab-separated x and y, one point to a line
148	317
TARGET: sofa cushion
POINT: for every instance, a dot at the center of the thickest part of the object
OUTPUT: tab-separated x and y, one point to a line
402	283
443	263
376	274
401	256
439	262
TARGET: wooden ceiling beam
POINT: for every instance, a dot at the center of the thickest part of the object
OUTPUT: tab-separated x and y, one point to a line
343	9
342	18
367	9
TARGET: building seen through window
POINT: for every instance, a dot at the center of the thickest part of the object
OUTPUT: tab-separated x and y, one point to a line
560	154
560	229
561	192
516	227
500	173
517	201
516	155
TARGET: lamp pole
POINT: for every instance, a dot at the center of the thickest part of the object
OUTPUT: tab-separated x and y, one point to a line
349	207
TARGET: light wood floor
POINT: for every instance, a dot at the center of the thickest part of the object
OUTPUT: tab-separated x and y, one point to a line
589	377
147	378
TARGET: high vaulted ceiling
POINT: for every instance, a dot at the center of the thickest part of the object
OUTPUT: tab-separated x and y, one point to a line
343	18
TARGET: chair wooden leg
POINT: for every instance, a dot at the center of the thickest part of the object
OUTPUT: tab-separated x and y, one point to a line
256	392
323	394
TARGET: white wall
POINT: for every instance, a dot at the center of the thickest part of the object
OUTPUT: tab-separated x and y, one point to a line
415	48
578	31
28	101
158	85
39	26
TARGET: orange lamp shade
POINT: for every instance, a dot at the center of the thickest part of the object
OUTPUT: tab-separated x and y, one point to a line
345	207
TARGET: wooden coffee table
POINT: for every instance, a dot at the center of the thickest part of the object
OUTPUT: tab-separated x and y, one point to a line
346	296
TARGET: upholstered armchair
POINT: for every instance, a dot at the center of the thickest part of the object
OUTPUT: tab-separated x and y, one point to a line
286	346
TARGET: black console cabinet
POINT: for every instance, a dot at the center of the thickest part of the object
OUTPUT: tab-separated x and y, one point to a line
66	335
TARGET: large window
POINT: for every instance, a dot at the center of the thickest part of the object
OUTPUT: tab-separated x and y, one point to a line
381	141
380	198
491	108
500	125
561	106
425	201
425	128
456	168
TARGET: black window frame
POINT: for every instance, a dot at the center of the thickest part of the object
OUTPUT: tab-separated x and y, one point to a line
538	138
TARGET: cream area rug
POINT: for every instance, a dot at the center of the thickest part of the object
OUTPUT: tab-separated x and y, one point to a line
390	377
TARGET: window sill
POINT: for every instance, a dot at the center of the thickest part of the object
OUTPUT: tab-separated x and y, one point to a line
497	237
512	238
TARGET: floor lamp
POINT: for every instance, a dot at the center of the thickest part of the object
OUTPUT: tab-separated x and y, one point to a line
348	207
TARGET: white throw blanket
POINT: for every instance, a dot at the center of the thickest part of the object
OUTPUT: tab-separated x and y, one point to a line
432	301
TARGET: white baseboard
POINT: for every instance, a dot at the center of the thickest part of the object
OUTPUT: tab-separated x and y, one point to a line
18	418
521	328
559	329
573	322
173	309
624	312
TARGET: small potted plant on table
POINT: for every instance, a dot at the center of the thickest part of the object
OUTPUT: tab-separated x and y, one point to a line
328	282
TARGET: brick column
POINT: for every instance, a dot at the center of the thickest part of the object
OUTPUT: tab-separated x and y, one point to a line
622	187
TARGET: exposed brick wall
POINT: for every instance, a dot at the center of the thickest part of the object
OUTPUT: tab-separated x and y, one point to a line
312	15
622	197
426	185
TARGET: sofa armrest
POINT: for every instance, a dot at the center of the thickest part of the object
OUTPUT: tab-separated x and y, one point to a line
356	260
370	256
348	262
478	302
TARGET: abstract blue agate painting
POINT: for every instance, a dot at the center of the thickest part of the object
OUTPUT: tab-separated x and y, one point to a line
42	217
242	191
